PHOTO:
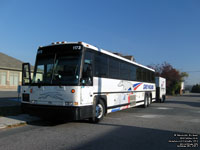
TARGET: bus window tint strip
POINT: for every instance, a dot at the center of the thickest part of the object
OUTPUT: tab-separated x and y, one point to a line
110	67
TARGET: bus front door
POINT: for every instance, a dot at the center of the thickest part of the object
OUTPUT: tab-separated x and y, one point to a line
87	84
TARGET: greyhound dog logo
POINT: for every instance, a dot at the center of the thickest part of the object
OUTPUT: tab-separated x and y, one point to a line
54	95
127	86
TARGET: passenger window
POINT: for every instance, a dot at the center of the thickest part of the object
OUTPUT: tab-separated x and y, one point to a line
101	65
133	73
113	68
139	74
124	71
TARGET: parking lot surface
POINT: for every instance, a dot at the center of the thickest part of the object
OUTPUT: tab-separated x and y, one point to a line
174	124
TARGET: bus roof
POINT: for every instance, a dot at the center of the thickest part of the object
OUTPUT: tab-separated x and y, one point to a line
100	50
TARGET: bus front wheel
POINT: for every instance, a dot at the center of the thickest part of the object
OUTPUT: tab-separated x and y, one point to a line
99	112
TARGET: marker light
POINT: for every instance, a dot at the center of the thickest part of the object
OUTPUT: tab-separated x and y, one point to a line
73	91
63	42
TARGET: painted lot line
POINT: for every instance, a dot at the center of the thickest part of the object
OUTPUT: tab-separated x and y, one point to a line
113	118
163	108
150	116
194	120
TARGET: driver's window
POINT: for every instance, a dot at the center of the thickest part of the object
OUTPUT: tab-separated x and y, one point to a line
87	73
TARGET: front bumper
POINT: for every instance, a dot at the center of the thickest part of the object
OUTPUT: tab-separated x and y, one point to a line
64	112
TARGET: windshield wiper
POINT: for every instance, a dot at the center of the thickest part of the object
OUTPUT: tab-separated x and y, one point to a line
54	66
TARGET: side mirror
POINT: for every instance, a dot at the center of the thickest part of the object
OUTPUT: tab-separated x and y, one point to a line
82	80
26	74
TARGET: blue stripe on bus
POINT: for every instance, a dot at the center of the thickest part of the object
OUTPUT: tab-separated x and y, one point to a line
115	109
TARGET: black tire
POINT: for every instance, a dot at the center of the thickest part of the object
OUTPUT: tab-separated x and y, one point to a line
163	99
148	100
99	112
160	100
145	101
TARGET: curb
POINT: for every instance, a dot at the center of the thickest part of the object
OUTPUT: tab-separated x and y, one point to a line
14	121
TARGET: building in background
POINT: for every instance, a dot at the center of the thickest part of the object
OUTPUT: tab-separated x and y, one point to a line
10	73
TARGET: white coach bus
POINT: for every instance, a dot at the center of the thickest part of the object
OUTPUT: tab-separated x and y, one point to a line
80	81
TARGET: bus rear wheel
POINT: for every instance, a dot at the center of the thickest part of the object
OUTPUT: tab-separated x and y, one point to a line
163	99
145	101
148	100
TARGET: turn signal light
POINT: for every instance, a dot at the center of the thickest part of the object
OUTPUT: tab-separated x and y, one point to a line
75	103
73	91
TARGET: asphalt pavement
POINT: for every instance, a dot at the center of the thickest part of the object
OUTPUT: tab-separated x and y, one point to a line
162	126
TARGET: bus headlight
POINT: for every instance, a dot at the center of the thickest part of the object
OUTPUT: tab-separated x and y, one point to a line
34	101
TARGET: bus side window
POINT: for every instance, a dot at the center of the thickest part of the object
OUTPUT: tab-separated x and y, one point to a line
133	73
101	65
113	68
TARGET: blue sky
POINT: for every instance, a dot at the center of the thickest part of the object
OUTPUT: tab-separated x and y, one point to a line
154	31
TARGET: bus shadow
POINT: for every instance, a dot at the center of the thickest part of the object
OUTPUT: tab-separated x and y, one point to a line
10	106
46	123
129	138
192	104
55	122
52	122
192	95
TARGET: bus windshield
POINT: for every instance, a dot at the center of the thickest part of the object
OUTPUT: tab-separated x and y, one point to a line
58	69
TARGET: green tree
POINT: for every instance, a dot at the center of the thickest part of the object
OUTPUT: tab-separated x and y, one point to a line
196	88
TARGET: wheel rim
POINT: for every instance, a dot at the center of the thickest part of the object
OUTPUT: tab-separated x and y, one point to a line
99	111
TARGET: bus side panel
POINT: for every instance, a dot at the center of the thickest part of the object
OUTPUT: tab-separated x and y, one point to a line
122	92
